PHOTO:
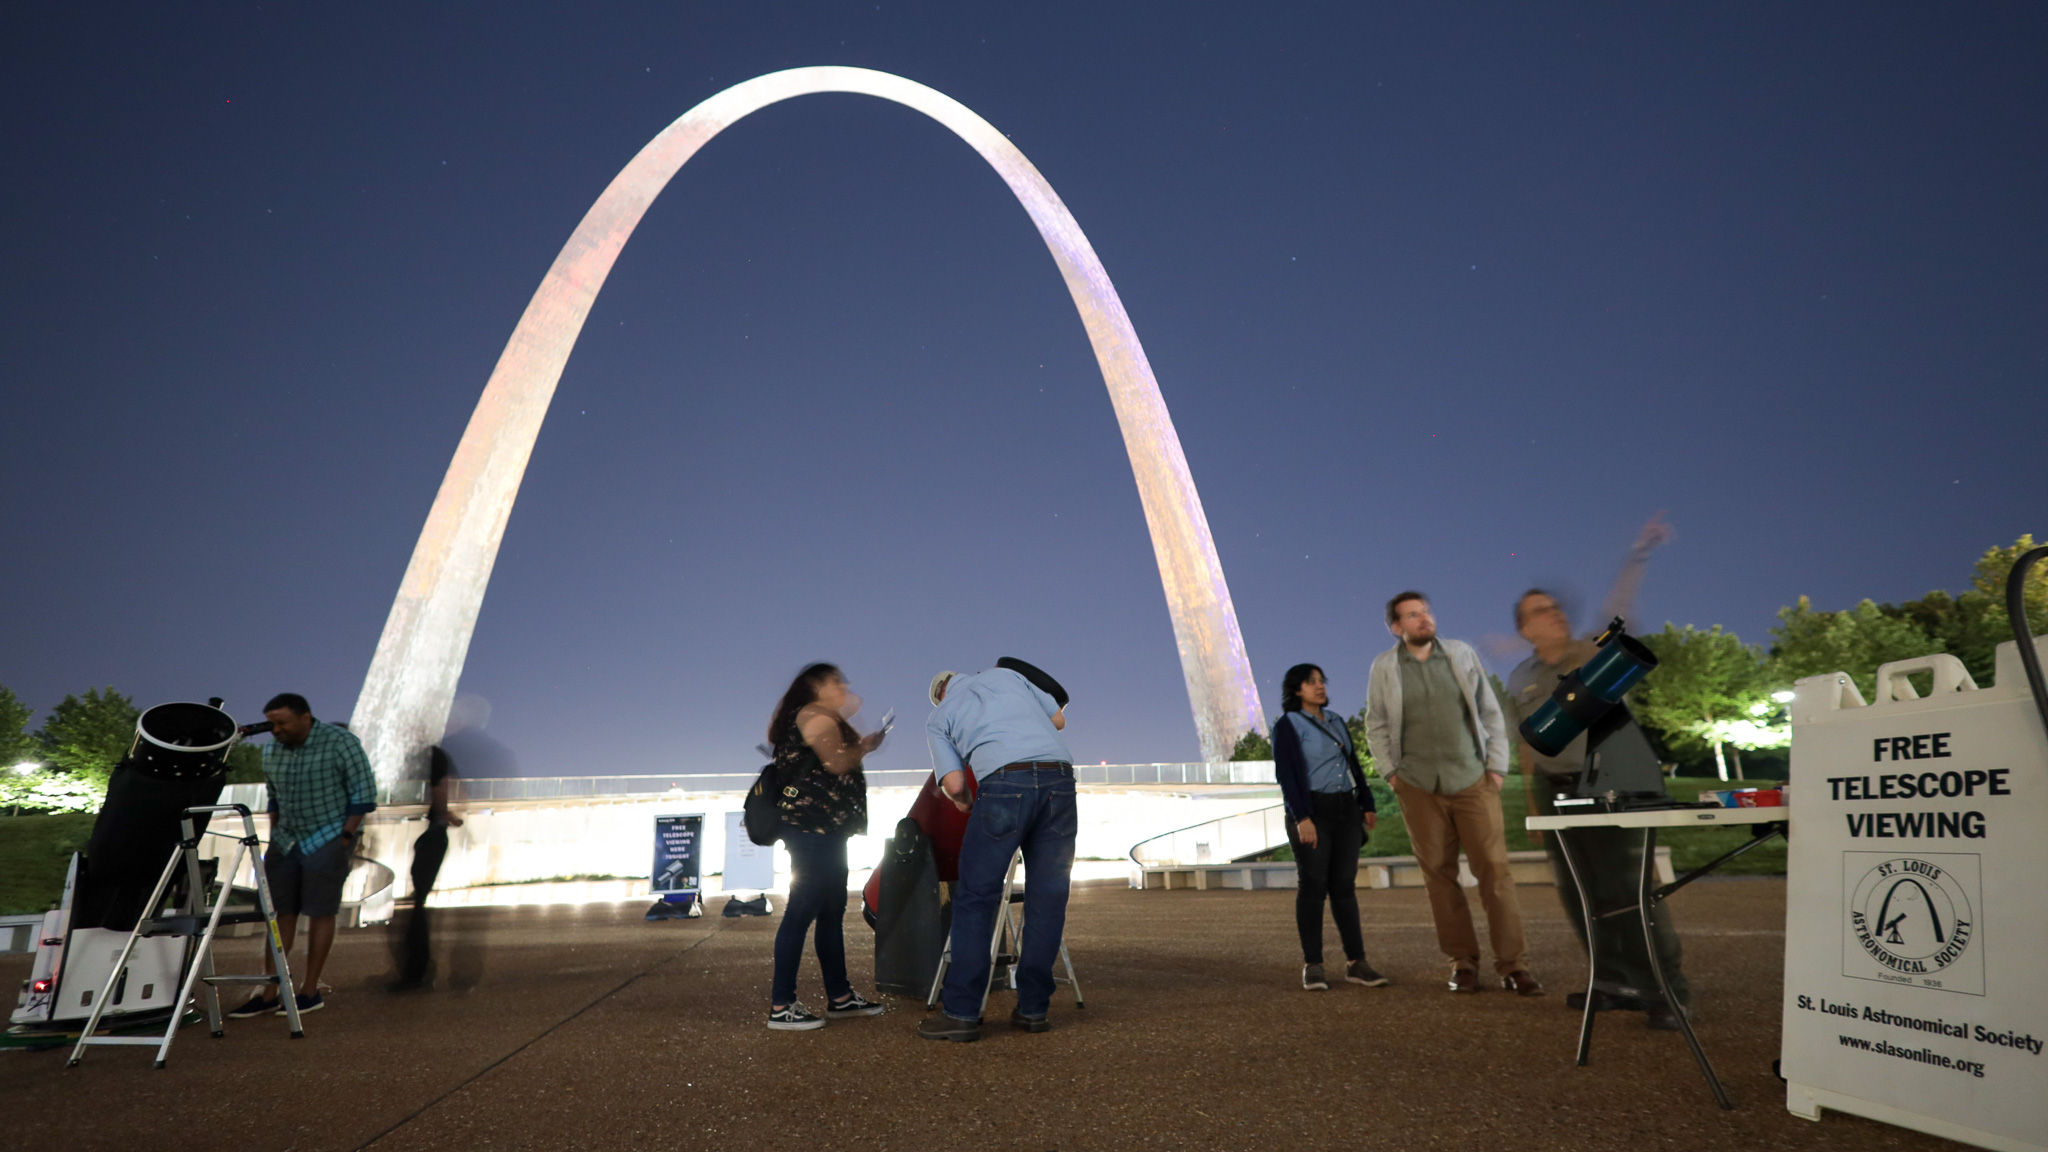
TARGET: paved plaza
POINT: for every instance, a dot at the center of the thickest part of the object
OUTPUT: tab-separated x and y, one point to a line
586	1027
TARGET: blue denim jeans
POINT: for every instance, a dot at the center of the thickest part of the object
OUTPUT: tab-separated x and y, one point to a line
1032	810
817	893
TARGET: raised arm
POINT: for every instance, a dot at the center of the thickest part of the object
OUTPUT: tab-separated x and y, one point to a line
1621	599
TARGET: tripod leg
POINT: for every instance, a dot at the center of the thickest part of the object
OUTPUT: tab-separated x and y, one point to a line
995	938
213	1020
1564	846
99	1000
931	999
1646	902
1071	978
202	961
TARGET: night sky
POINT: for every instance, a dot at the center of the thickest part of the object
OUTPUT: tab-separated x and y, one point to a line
1443	296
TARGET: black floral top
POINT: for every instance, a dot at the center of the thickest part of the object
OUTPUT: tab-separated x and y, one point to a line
814	799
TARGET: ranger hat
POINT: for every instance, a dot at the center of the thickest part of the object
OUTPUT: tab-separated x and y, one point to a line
1038	678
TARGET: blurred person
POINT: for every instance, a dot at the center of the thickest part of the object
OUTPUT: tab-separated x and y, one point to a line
1611	859
428	852
824	801
321	787
1330	810
1437	733
1003	726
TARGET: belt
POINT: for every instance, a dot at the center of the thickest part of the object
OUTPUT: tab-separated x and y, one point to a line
1059	766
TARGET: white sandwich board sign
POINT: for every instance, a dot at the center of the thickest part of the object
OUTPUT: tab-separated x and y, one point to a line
1916	919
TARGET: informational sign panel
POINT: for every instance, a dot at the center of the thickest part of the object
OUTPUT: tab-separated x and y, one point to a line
678	855
749	867
1916	919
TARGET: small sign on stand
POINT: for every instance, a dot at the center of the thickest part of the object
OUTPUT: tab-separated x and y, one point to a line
676	881
749	867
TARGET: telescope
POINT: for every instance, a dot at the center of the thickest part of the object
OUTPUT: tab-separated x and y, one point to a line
1621	769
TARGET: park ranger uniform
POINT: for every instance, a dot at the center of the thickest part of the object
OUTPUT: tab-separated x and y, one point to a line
1611	858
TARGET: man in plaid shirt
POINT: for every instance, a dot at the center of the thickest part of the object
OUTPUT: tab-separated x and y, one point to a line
321	786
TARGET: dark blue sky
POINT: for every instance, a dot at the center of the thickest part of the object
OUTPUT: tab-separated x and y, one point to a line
1451	296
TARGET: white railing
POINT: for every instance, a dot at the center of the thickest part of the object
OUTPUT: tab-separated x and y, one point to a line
1238	837
487	789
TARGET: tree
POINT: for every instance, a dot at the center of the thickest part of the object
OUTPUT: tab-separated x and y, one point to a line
86	736
1706	687
1356	726
1810	643
1995	566
16	745
1969	627
1252	745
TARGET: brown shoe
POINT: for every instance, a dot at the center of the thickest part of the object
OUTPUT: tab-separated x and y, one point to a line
1464	980
1521	983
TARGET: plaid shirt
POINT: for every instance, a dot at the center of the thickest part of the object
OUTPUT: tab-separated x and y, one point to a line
315	787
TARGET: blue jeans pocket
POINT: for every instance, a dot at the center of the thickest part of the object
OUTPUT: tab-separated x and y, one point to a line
1000	814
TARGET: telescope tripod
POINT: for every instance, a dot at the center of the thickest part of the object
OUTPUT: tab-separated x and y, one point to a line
1005	945
186	921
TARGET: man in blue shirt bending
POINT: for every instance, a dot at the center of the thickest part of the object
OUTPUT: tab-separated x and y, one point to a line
1004	726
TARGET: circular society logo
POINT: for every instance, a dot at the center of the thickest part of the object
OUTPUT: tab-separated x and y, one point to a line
1911	915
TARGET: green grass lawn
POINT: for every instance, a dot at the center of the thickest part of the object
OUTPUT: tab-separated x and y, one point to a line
34	851
1690	847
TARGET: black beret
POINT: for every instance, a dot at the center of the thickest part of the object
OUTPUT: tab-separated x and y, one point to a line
1038	678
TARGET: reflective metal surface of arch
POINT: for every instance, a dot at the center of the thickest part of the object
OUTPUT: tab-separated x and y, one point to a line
412	678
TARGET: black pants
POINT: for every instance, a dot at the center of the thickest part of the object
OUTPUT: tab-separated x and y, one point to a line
1329	871
427	854
817	895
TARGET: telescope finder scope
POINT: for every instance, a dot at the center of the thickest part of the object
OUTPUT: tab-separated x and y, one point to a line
1589	691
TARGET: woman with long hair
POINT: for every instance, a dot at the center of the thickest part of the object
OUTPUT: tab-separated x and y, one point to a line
1329	811
824	800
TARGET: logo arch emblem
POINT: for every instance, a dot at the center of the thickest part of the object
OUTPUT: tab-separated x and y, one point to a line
419	658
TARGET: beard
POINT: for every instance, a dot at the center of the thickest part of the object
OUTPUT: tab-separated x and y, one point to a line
1420	635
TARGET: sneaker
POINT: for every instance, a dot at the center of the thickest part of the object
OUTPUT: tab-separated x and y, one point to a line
1024	1023
1464	980
943	1027
1312	978
794	1017
855	1004
261	1004
1359	972
308	1002
1521	983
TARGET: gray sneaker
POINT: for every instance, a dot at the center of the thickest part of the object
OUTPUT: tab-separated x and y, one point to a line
1359	972
1312	978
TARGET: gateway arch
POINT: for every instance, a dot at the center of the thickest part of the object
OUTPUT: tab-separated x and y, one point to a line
412	679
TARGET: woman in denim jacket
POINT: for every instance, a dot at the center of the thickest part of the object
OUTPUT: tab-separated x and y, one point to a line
1329	812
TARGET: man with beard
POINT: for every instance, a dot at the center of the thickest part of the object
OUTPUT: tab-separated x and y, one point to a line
1437	733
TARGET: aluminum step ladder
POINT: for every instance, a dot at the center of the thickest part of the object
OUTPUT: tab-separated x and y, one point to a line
1005	945
187	921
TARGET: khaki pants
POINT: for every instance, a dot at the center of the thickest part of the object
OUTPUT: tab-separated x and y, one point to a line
1438	826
